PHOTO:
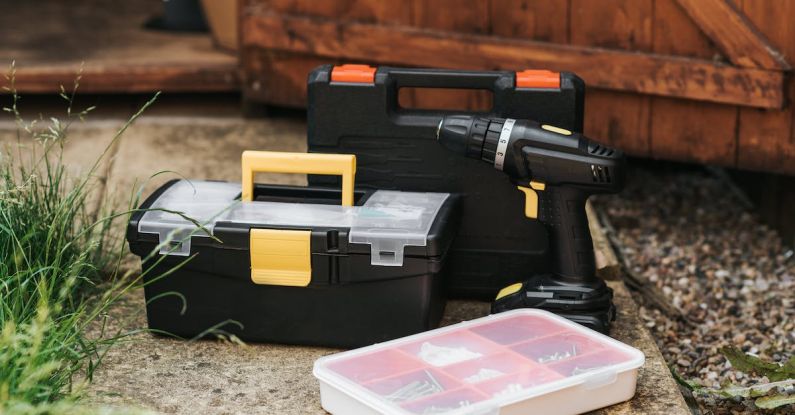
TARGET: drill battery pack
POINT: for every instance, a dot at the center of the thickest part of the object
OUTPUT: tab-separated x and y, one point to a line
354	109
295	265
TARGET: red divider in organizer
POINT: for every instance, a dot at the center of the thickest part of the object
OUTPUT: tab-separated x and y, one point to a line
562	346
517	329
511	384
375	365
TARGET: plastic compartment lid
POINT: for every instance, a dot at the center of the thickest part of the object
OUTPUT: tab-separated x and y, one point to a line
388	221
203	201
480	366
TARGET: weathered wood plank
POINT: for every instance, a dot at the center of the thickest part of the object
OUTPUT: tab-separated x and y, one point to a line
734	34
691	131
50	40
672	26
542	20
601	68
683	130
450	16
130	79
608	266
279	77
370	11
617	118
612	24
766	139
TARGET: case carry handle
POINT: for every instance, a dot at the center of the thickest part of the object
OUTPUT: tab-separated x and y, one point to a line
446	78
496	82
309	163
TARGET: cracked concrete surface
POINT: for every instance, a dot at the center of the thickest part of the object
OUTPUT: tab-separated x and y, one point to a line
180	377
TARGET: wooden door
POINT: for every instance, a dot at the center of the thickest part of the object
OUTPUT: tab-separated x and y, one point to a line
690	80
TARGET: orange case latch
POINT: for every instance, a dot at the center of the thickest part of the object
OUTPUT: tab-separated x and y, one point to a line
537	78
350	73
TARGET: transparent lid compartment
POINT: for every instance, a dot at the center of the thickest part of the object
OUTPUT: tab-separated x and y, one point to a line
412	386
485	367
388	221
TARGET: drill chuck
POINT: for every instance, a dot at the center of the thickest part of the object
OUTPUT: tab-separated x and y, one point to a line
473	137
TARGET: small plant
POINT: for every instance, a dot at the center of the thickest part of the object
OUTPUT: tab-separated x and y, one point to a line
59	265
777	392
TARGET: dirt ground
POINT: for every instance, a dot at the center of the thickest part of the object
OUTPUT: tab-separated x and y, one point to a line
688	232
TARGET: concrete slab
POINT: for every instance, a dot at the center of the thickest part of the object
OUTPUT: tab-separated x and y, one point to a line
207	146
83	147
82	152
200	148
178	377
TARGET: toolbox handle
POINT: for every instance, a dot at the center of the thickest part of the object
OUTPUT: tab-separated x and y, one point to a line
309	163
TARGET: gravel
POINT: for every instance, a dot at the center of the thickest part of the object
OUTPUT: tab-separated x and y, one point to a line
687	232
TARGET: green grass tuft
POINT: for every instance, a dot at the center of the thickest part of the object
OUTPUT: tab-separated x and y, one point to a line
56	252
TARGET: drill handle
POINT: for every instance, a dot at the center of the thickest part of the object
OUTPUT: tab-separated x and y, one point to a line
562	211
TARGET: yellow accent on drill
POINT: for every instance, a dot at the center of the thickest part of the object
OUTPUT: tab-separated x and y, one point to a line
511	289
531	198
554	129
280	257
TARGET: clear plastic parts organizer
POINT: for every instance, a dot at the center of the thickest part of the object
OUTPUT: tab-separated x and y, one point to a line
518	362
387	221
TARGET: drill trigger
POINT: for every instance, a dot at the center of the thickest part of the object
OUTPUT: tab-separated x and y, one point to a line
531	198
538	185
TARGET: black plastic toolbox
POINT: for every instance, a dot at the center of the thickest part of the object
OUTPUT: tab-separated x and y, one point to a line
354	109
327	287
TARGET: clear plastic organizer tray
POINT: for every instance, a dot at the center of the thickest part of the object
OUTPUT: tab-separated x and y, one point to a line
518	362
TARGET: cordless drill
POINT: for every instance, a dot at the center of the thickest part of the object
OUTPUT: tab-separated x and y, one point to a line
557	170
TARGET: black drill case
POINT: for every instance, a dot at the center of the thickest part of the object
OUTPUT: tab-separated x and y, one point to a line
318	284
354	109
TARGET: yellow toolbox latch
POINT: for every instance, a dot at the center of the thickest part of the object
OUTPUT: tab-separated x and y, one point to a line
280	257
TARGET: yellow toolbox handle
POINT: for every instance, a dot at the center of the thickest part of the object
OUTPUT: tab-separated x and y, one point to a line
309	163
